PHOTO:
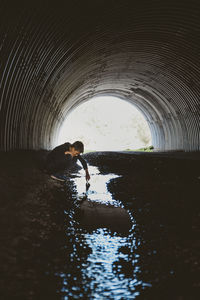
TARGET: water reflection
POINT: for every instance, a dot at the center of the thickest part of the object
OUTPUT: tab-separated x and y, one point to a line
97	190
107	281
97	207
103	242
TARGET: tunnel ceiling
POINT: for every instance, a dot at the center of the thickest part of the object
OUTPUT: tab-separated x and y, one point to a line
54	56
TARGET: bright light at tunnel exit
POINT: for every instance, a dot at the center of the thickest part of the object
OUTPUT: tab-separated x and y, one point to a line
106	124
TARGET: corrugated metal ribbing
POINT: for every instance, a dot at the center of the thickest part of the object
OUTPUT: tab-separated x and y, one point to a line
55	56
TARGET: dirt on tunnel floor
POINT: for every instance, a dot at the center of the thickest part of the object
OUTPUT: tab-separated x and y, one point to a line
162	191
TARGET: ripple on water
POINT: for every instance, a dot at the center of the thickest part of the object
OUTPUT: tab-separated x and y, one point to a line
104	242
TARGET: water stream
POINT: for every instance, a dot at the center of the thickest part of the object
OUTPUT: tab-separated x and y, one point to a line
103	263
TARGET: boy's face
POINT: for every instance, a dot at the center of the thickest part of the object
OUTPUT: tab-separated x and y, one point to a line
74	152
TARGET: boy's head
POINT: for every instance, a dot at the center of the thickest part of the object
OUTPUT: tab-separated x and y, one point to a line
76	148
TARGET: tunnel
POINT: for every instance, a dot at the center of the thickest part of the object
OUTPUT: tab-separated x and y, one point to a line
126	225
56	55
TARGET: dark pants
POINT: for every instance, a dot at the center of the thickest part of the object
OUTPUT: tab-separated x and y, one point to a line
59	164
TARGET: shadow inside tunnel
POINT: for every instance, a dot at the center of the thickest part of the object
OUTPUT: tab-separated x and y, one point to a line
69	241
93	215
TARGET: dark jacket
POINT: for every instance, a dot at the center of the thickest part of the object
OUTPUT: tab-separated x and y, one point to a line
58	161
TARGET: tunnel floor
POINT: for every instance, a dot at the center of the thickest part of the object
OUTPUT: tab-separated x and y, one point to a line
132	234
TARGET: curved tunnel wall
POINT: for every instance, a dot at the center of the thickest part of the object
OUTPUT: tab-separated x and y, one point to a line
55	56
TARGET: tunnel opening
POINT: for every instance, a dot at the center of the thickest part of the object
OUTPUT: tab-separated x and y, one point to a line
106	123
51	63
55	56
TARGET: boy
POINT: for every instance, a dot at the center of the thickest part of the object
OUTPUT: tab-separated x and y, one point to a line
64	157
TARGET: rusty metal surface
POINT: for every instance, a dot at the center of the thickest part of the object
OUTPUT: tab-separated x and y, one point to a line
54	56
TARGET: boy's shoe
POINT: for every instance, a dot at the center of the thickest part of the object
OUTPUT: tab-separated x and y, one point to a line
59	177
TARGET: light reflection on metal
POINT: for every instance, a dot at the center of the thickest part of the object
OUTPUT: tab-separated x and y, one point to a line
50	63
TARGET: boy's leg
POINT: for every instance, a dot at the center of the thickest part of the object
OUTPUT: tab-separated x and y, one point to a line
64	166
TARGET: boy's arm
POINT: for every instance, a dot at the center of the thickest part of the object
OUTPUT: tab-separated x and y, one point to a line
85	167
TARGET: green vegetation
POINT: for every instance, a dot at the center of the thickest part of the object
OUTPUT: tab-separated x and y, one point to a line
99	127
147	149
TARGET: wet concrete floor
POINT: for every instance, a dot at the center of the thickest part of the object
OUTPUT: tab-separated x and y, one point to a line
132	234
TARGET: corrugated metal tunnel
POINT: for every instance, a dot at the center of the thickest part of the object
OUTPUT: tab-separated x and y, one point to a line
55	56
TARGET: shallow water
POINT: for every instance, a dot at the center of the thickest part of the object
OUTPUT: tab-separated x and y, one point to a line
103	262
125	237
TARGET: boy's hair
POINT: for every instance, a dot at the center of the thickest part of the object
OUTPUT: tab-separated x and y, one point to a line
78	146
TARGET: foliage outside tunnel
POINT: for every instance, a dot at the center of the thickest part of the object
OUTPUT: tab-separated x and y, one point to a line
106	124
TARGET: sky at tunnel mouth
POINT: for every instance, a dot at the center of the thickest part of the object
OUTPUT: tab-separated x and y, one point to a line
106	124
